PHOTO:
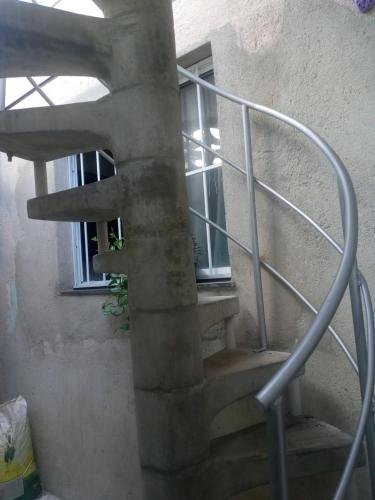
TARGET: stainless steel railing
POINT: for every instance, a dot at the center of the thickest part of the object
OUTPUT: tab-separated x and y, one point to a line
270	397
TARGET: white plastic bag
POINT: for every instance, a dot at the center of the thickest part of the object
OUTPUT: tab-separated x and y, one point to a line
18	474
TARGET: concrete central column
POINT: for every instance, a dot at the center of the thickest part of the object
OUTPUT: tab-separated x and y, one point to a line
166	343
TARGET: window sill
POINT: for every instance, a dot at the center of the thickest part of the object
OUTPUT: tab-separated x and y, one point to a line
77	292
85	291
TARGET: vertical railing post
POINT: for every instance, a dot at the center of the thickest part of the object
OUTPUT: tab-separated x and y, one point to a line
361	349
254	228
40	178
204	175
2	93
277	451
102	236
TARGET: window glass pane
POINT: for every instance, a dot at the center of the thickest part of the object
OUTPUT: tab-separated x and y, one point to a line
85	7
190	125
92	250
35	100
83	250
46	3
197	158
71	89
89	167
211	132
219	243
107	169
16	88
196	201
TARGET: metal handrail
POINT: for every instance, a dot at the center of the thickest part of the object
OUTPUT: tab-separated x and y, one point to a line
269	396
262	185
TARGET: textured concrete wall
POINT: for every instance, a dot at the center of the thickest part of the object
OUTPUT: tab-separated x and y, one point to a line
62	355
314	61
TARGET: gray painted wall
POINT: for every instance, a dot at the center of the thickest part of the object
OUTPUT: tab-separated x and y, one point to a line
313	60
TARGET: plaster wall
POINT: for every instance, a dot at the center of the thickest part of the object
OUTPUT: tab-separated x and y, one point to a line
315	62
62	354
58	350
312	60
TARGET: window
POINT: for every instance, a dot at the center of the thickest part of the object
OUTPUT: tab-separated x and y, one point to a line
85	169
204	186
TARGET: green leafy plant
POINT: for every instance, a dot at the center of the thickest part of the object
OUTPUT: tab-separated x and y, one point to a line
197	251
118	285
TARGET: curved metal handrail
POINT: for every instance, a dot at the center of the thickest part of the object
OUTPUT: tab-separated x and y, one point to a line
267	266
278	384
276	274
283	377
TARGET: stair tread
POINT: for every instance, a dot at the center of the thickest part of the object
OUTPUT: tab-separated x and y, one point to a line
232	361
89	203
47	48
215	309
113	261
240	462
234	374
303	435
49	133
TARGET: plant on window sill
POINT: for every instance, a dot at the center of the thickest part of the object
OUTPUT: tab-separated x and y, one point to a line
118	283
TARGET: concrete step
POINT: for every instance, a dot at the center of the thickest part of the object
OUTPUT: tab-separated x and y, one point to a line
215	309
111	262
36	40
239	462
54	132
234	374
91	203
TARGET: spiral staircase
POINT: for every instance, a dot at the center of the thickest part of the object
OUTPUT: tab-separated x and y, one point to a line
186	369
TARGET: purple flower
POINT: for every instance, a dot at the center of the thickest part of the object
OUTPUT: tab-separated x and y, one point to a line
364	5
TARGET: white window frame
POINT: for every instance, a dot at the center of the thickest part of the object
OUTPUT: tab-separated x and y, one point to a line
79	281
211	272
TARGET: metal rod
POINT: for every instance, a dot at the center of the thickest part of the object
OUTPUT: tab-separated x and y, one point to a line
279	382
254	229
270	191
308	219
294	398
2	93
107	157
30	92
199	171
40	178
204	177
40	91
213	152
362	425
362	353
283	281
277	447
